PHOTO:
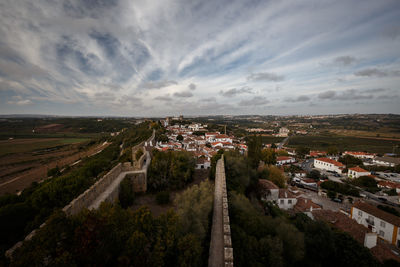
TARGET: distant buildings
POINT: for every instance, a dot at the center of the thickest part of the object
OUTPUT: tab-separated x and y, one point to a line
386	161
280	196
283	132
328	164
360	155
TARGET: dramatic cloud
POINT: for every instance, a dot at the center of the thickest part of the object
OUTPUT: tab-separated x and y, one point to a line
255	101
265	76
192	86
233	92
377	73
344	60
183	94
121	57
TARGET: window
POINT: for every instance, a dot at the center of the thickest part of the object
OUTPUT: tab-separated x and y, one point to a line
370	218
282	201
289	201
382	233
383	224
359	213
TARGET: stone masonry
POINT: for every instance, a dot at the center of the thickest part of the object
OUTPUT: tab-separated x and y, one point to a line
221	251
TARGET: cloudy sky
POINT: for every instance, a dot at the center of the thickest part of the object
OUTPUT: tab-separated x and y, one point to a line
169	57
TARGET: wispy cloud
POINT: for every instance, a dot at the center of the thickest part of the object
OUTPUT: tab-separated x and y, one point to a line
373	72
234	91
265	76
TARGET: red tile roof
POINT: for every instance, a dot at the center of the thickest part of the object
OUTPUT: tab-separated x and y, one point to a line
331	161
358	169
283	158
284	193
381	251
383	215
304	205
266	184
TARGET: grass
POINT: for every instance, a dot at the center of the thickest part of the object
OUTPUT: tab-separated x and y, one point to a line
344	143
29	145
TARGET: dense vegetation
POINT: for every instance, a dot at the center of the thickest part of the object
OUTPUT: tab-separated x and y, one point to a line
340	188
113	236
170	170
267	236
19	215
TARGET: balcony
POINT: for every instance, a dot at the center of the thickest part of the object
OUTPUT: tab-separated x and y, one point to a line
369	221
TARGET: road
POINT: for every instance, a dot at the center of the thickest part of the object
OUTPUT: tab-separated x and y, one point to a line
284	141
307	165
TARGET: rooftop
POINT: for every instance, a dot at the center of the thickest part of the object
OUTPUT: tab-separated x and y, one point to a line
331	161
383	215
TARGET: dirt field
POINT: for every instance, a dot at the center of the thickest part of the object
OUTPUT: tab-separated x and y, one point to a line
19	169
149	200
366	134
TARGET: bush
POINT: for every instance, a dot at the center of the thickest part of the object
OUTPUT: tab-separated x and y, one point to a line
138	154
162	197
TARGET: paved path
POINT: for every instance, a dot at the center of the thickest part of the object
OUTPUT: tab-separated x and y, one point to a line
216	255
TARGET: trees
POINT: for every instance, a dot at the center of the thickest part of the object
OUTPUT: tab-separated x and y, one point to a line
126	194
302	151
314	174
350	161
254	150
268	156
179	138
273	174
332	150
170	170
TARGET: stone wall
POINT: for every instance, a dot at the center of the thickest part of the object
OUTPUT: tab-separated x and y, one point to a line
91	194
221	251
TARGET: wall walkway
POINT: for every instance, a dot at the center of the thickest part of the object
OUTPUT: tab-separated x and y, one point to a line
221	251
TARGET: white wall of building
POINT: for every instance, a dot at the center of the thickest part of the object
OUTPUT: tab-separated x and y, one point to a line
382	228
326	166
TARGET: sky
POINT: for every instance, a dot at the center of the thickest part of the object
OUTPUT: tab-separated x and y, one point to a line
159	58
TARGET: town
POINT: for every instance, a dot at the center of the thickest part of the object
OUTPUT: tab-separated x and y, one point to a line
355	191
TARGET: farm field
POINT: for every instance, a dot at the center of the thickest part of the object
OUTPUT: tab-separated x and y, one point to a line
346	143
23	161
29	145
355	133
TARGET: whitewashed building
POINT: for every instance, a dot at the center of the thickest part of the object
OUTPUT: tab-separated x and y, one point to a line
360	155
285	160
386	225
282	197
356	172
328	164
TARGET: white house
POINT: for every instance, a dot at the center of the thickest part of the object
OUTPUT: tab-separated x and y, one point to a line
282	197
386	161
283	132
356	172
386	225
360	155
203	163
284	160
328	164
223	138
210	137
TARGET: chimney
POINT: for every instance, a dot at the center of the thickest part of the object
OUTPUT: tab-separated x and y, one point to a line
370	240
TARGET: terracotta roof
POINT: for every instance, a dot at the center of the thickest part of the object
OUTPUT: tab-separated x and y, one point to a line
266	184
284	193
383	215
358	153
314	153
331	161
388	184
381	251
283	158
358	169
222	136
304	204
